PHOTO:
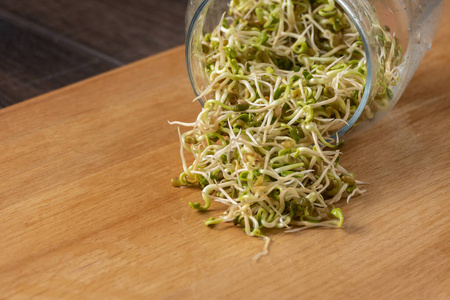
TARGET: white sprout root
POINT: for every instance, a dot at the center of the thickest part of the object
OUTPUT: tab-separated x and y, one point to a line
285	77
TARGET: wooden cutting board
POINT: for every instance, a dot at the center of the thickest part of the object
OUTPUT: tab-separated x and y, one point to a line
87	210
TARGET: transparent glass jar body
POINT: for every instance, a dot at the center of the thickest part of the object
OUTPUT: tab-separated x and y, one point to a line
414	23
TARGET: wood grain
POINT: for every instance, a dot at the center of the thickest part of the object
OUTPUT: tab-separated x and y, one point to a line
88	211
49	44
124	30
32	64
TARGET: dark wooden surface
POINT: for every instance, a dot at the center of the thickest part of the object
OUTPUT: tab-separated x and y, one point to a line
47	44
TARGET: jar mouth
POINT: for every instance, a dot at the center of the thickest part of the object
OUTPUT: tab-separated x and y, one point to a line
188	46
355	20
365	40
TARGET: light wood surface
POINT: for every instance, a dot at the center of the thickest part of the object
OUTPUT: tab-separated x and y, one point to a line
87	210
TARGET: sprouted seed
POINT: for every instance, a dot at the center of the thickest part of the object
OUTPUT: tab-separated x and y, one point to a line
285	76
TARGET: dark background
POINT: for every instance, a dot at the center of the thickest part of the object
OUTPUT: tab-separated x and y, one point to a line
47	44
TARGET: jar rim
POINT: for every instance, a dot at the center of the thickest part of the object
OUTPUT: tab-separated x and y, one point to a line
355	20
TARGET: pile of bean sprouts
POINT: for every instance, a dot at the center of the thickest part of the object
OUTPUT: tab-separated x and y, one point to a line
285	76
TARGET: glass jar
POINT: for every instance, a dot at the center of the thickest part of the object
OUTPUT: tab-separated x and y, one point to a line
413	22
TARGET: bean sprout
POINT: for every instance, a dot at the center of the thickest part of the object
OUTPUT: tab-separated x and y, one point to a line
285	76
